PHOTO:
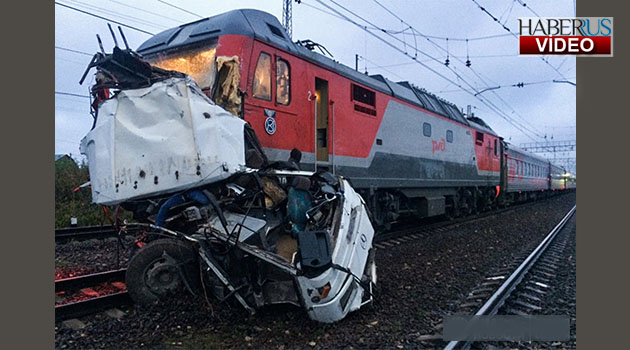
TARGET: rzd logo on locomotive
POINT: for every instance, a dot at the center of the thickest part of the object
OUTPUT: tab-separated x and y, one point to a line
439	146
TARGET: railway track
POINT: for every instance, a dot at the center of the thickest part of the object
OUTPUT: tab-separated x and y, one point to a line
84	232
85	299
418	230
99	303
511	296
67	234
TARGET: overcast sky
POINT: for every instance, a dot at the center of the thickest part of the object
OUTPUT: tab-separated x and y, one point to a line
545	108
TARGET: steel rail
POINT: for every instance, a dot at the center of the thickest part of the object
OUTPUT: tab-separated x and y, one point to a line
497	299
90	280
91	306
424	227
85	233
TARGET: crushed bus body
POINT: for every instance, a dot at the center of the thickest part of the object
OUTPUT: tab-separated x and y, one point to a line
217	216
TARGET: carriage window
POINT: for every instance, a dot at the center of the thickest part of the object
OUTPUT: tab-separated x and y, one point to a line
363	95
426	129
262	77
496	147
479	137
283	82
449	136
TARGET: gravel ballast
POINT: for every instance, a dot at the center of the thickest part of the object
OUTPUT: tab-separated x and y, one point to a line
418	282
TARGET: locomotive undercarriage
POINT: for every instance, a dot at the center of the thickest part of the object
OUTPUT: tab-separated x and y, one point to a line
388	206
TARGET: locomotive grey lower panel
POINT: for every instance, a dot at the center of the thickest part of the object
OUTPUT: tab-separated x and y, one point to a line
397	171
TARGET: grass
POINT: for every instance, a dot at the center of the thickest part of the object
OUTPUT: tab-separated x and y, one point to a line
71	201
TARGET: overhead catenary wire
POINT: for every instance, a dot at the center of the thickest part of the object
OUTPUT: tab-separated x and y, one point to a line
488	103
75	51
528	8
483	9
70	94
519	85
524	129
380	67
123	16
537	132
468	62
405	31
472	90
181	9
104	18
147	11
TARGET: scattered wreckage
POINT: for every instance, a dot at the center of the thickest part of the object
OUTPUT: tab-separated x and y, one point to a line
218	217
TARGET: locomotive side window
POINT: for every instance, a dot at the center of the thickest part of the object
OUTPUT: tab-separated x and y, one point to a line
363	95
479	138
426	129
496	147
449	136
262	77
283	82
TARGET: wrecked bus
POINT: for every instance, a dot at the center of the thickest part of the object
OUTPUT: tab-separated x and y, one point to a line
217	216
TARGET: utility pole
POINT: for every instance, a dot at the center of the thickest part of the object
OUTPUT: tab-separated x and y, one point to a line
567	148
287	17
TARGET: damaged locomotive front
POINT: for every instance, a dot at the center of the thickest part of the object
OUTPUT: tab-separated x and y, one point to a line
217	217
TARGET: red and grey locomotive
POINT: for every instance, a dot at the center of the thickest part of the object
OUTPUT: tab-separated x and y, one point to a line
404	149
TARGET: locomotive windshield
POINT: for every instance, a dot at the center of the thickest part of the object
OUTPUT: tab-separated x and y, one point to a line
199	64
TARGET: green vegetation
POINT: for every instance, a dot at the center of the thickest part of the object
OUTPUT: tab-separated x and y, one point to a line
68	202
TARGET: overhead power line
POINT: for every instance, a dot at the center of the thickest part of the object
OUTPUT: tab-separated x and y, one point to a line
486	102
528	8
123	16
75	51
518	85
146	11
104	18
514	35
181	9
391	31
478	75
537	132
70	94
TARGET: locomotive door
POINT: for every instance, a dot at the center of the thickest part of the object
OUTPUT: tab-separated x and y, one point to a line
321	121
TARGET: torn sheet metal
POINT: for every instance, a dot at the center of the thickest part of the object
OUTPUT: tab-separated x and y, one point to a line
350	260
161	139
229	78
